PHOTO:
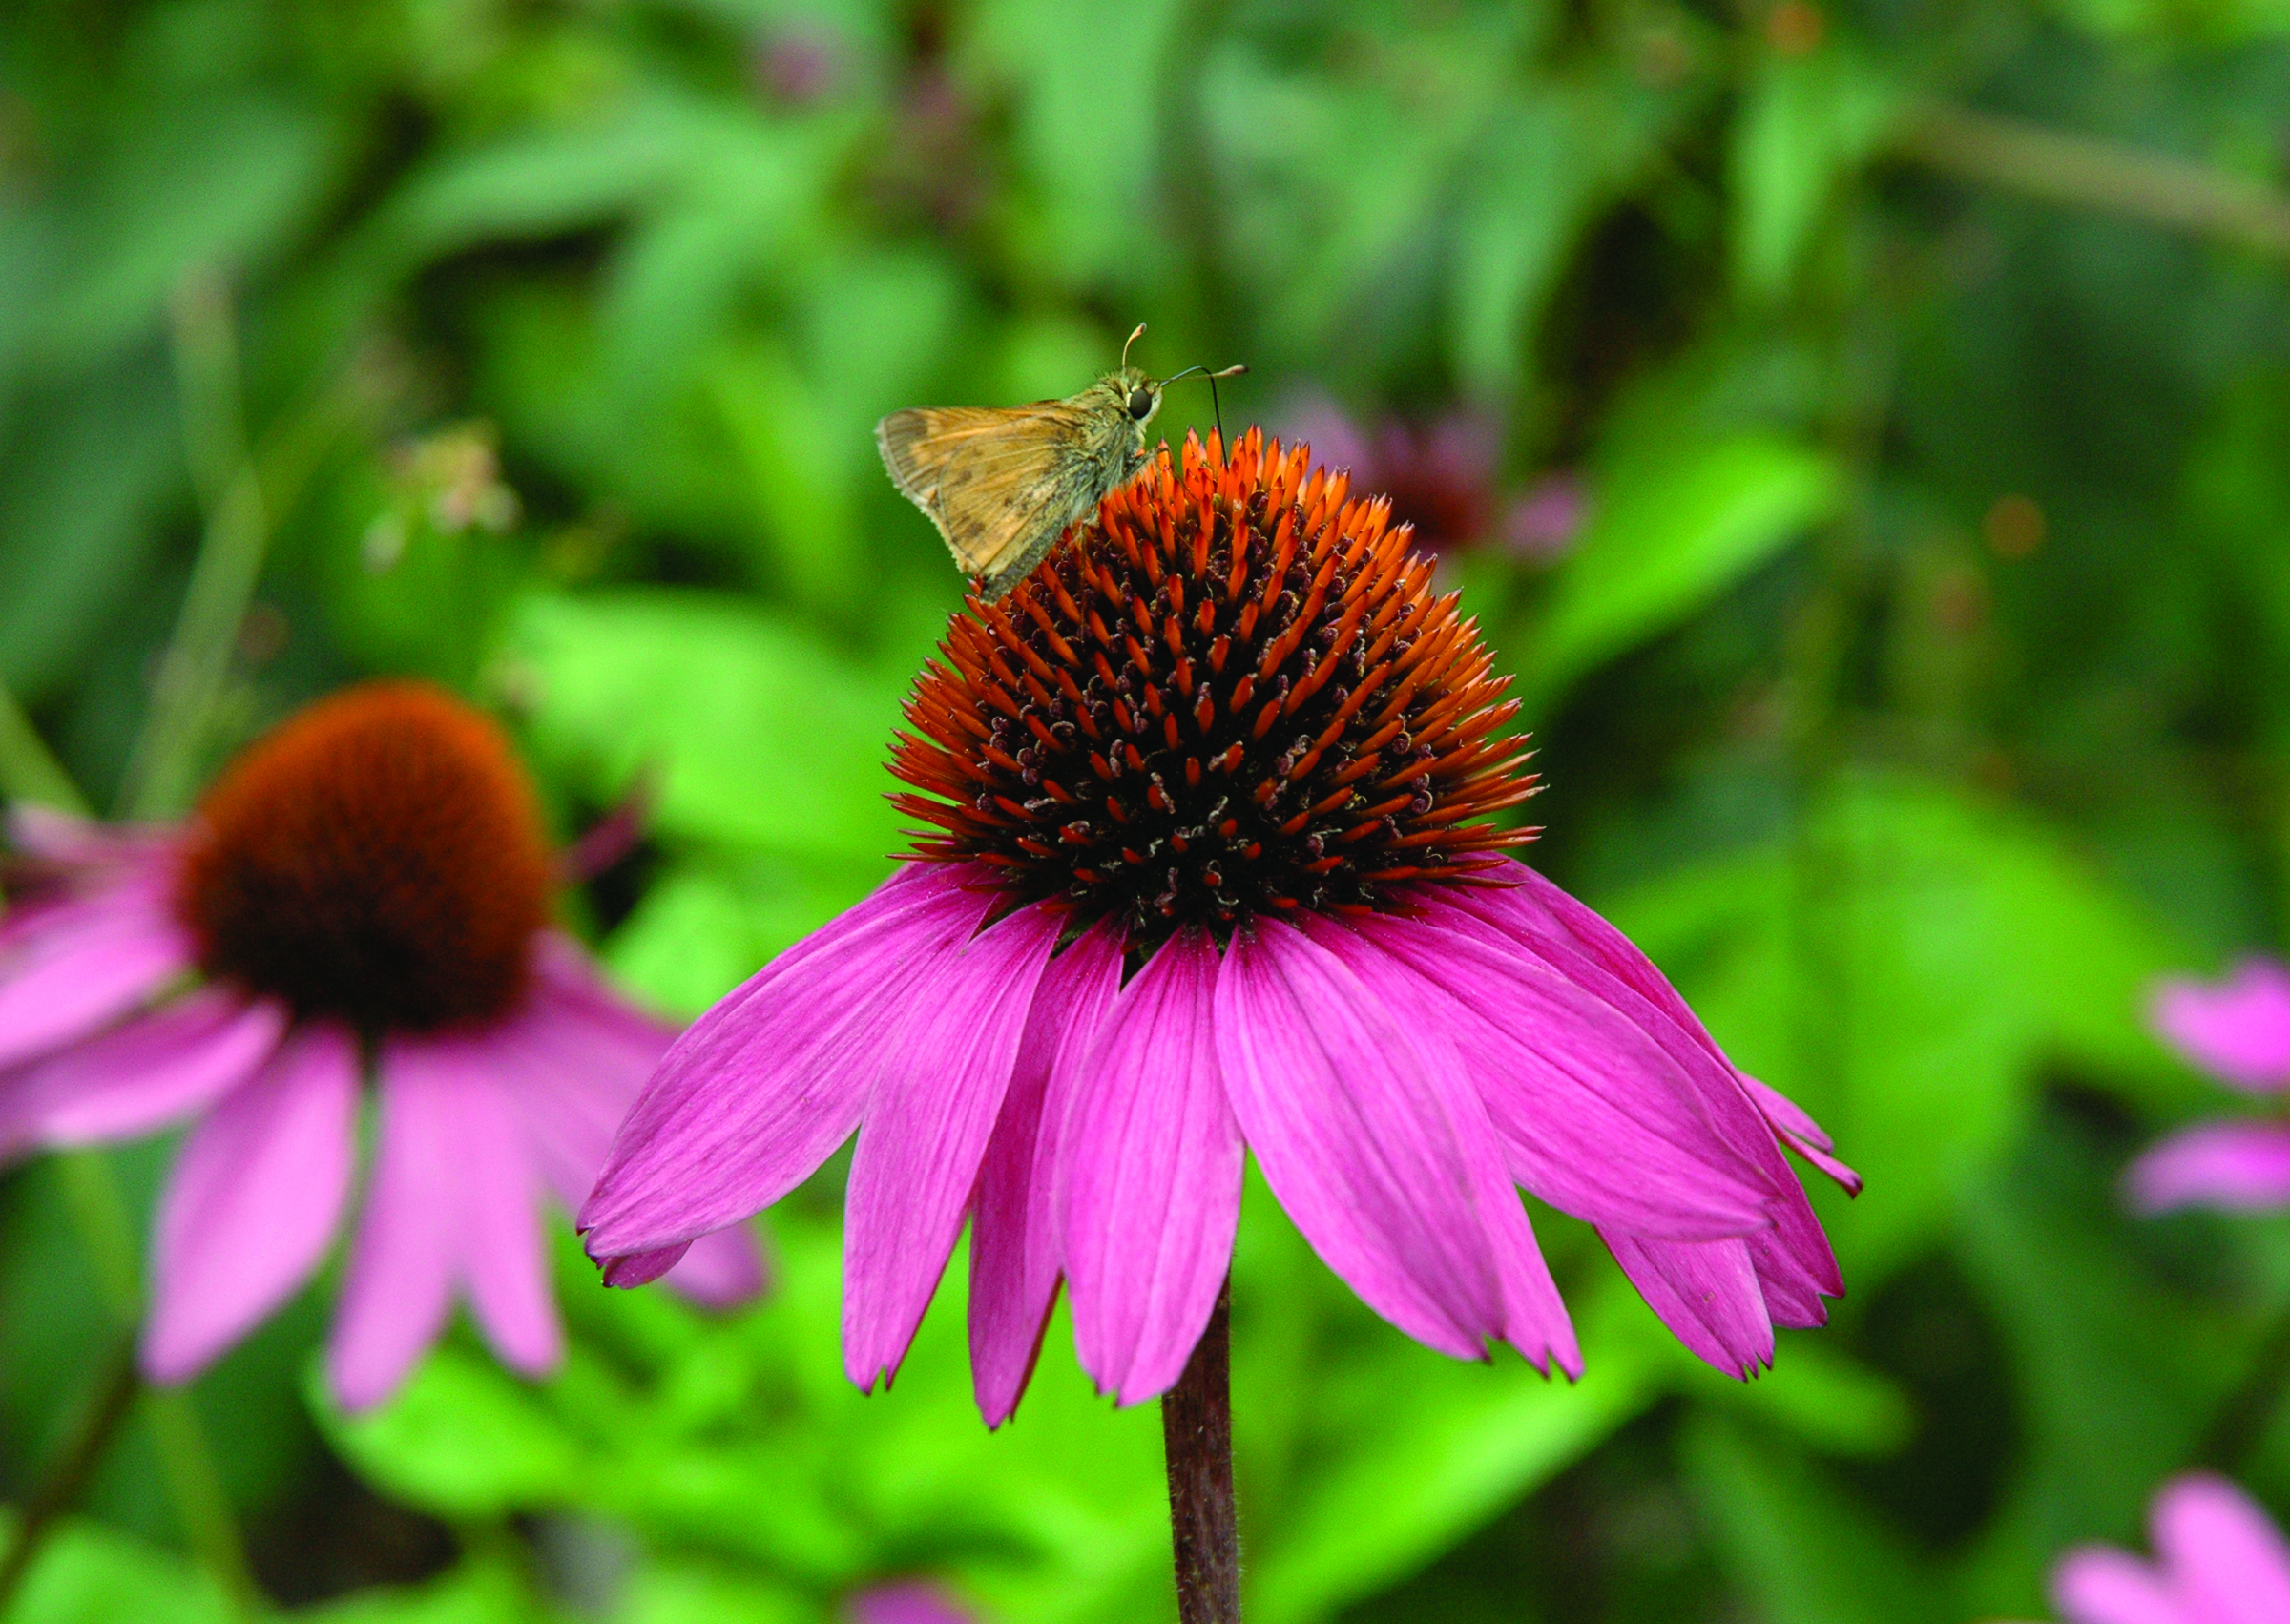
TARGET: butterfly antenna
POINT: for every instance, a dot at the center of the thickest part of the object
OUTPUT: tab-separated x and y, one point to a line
1233	371
1133	334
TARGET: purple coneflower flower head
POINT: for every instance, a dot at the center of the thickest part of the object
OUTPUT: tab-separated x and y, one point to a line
1209	876
2239	1031
1442	479
908	1602
368	884
2218	1560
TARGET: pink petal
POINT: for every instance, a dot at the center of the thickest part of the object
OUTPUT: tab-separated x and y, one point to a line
1346	1116
2239	1029
2238	1166
1799	1131
766	1084
1595	1116
504	1259
722	1270
2094	1585
906	1603
1587	947
90	960
1149	1186
148	1073
932	1110
398	1288
580	1055
630	1269
1795	1268
1535	1317
251	1203
1014	1255
1708	1294
62	837
2227	1560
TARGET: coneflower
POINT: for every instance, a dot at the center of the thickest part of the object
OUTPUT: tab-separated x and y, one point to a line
1209	873
368	887
2239	1031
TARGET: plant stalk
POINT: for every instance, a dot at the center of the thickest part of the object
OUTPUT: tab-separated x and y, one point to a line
1197	1436
67	1478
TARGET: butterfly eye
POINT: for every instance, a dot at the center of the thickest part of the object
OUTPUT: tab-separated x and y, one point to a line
1141	404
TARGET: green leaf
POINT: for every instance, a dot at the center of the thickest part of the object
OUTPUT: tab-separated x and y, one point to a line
1554	156
1954	950
1797	1543
463	1438
82	492
1468	1441
1823	1399
760	734
706	925
478	1591
1669	531
92	1575
1088	90
1806	122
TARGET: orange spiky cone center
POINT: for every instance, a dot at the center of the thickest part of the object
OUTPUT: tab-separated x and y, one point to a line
1232	693
378	857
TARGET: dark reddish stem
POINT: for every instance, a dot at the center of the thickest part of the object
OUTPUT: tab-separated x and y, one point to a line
1197	1435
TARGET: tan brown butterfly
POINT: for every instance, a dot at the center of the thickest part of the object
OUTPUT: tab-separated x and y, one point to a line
1003	483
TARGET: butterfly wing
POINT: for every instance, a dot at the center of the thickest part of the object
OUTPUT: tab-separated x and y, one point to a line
996	480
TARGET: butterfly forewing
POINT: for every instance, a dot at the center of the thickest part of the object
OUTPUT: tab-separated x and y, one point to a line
989	477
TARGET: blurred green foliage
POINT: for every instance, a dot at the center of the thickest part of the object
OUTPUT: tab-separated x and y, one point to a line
1915	686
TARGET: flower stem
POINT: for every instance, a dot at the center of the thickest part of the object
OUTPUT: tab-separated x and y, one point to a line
1197	1435
107	1407
165	763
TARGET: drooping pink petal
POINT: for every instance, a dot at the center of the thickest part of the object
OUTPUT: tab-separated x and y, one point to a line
2096	1585
1804	1136
2227	1562
1583	944
572	1063
931	1109
766	1084
1595	1116
1707	1292
1796	1268
1346	1117
2238	1166
504	1264
1014	1240
2238	1030
1534	1315
146	1074
252	1203
1148	1187
90	960
1793	1261
398	1287
641	1268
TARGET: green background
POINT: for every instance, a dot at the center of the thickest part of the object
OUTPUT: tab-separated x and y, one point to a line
1916	691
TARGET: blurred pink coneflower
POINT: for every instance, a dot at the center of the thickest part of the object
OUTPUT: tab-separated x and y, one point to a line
368	884
2239	1031
2218	1560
